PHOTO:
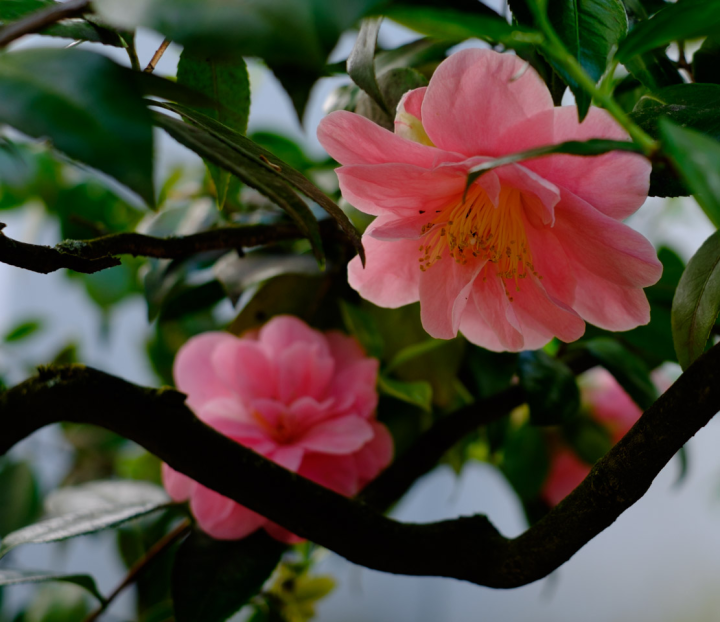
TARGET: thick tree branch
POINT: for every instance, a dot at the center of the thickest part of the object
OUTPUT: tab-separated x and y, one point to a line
90	256
39	20
467	548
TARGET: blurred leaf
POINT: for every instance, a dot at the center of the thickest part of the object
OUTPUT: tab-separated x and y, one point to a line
22	331
415	54
362	326
684	20
697	302
412	352
525	460
589	439
213	579
226	81
43	93
57	603
361	62
284	148
550	387
630	372
19	496
104	494
101	513
274	171
419	393
697	159
706	61
344	97
257	175
491	371
16	577
393	84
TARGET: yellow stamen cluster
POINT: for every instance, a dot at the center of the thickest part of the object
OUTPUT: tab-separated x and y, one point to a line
476	229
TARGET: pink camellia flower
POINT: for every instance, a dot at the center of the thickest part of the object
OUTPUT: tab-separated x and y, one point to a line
303	399
535	249
609	405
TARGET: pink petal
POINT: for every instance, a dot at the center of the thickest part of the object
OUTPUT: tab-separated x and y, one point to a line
539	196
497	313
475	96
244	367
375	455
352	139
615	183
343	435
221	517
193	371
225	407
354	388
608	402
303	369
249	435
284	331
476	330
338	473
282	534
391	275
408	119
411	102
344	349
605	247
288	456
444	293
307	412
566	473
180	487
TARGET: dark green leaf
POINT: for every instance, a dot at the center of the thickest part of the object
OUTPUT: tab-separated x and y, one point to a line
589	439
684	20
393	84
19	496
697	302
697	158
226	81
361	62
279	171
16	577
260	176
706	61
213	579
550	387
415	54
22	331
362	326
491	371
419	393
525	460
58	602
630	372
412	352
654	70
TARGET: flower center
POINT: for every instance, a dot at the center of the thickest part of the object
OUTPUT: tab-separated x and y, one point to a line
477	229
282	432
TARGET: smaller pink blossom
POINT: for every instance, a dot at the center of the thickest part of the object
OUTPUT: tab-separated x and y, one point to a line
303	399
610	406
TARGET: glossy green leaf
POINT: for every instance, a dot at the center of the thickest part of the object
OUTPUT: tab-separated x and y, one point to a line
258	175
697	158
419	392
19	495
706	61
683	20
393	84
361	62
213	579
654	70
630	372
226	81
17	577
272	165
362	326
89	107
697	302
22	331
525	460
550	387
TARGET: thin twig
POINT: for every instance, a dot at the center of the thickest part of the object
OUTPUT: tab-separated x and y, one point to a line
157	56
40	20
141	565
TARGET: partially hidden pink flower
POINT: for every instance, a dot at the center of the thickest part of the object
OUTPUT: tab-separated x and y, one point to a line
535	249
608	404
303	399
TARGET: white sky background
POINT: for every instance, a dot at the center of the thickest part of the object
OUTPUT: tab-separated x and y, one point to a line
659	562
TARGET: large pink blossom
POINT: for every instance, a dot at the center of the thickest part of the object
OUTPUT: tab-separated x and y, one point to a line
535	249
608	404
303	399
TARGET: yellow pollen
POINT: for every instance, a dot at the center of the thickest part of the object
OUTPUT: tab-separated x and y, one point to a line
477	230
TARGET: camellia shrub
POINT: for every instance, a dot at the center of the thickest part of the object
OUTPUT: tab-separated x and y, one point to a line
454	281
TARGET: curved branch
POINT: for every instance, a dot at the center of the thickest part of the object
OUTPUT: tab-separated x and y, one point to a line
468	548
89	256
39	20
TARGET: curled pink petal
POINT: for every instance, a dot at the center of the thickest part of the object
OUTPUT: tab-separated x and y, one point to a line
180	487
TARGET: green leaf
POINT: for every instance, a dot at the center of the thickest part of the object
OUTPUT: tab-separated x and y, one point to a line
90	508
654	70
491	371
525	460
22	331
697	158
590	30
589	439
226	81
19	495
410	353
17	577
676	22
361	62
273	166
362	326
393	84
59	602
87	105
697	302
77	29
706	61
630	372
550	387
592	147
213	579
416	54
419	393
256	175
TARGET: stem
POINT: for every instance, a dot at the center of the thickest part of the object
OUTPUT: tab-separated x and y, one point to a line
138	568
157	56
132	54
40	20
